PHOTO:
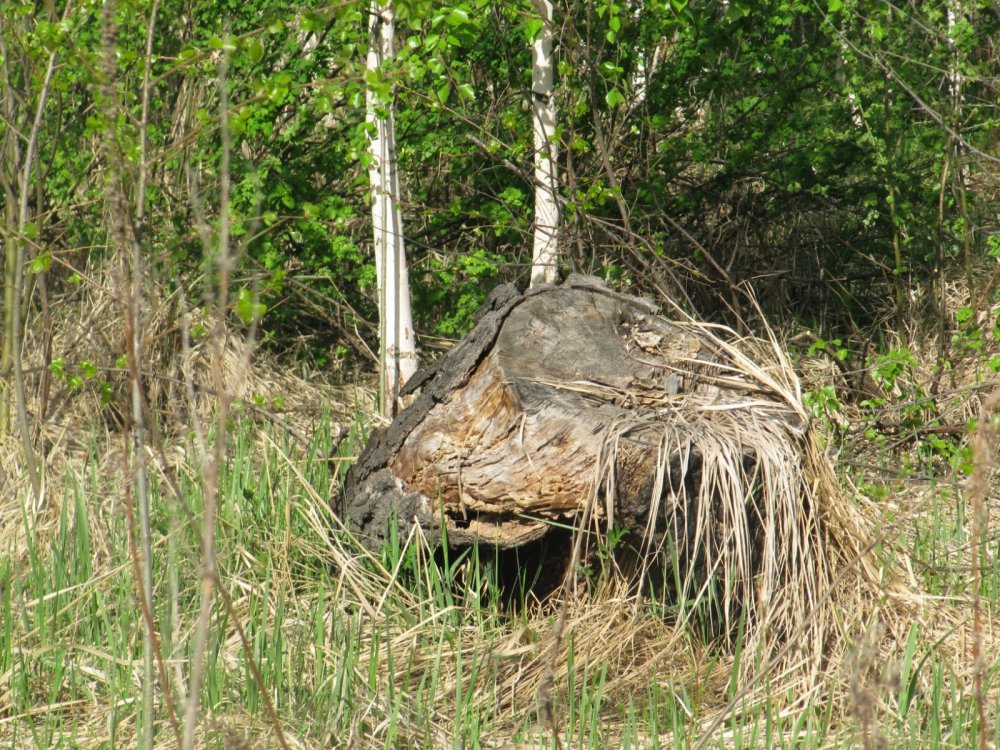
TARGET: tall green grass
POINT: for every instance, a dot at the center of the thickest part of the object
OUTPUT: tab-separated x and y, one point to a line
426	656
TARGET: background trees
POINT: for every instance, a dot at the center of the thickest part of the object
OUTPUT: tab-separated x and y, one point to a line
827	155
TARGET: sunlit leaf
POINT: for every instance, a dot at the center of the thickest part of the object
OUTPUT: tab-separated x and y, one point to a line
614	98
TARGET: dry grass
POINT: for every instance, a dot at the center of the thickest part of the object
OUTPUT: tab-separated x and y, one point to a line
363	651
88	333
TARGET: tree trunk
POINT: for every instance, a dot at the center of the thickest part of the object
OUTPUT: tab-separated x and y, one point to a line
575	407
543	107
398	345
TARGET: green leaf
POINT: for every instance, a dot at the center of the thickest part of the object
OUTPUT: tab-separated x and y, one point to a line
31	231
834	5
467	91
255	50
993	245
614	97
532	27
276	283
248	310
443	92
41	263
457	17
310	22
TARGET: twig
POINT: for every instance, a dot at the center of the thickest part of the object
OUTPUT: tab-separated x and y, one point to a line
34	470
133	326
212	465
144	604
979	487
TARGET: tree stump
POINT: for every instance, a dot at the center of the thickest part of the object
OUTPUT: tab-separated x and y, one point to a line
574	398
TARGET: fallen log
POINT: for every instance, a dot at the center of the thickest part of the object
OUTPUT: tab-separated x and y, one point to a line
573	401
571	411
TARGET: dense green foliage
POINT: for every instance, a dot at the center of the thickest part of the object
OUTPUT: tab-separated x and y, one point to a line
833	156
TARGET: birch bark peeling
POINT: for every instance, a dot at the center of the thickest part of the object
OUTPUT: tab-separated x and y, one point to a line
511	429
545	251
397	342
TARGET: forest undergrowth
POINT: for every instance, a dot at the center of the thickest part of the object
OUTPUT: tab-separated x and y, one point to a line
191	331
315	642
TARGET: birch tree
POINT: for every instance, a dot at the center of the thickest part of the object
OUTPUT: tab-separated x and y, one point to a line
397	344
545	250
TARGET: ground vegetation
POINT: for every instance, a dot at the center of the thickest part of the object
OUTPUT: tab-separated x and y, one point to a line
190	340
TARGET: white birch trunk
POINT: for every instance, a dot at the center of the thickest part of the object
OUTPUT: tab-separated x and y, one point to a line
646	64
953	9
397	344
545	251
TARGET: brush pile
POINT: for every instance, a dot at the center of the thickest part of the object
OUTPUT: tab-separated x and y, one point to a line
578	406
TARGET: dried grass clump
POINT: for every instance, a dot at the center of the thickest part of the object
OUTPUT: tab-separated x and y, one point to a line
79	403
756	518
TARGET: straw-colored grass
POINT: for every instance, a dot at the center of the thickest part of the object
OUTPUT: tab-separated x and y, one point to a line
862	625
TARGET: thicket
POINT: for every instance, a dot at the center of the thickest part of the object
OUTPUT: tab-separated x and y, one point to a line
838	159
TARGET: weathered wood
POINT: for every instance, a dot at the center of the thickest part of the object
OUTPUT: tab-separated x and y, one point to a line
559	397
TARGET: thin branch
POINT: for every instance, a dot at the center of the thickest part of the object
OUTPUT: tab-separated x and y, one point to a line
145	603
212	464
936	116
140	412
34	470
979	490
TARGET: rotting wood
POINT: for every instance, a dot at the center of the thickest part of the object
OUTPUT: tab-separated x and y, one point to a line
558	397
